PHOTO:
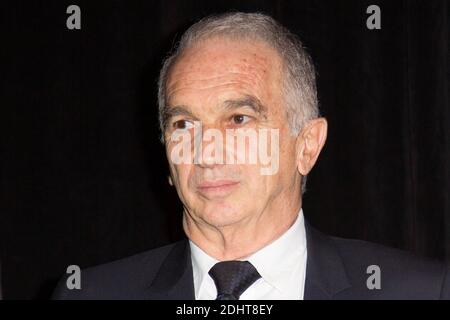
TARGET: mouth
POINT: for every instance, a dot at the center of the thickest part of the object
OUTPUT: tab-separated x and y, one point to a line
218	188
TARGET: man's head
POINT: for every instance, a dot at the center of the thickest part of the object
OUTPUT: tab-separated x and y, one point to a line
241	71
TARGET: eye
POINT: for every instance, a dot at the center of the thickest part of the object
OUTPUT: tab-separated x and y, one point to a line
240	119
183	124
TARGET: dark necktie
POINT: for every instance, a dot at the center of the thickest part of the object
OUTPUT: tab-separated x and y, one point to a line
232	278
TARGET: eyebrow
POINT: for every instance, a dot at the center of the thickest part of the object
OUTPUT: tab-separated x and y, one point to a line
170	112
231	104
247	101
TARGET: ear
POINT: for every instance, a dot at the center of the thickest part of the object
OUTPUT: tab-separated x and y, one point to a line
310	142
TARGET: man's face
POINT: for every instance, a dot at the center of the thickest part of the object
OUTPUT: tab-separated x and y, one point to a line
229	84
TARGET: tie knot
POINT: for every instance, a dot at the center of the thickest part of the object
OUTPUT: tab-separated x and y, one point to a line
232	278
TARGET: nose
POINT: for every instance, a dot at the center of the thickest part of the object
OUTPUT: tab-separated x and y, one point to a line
209	148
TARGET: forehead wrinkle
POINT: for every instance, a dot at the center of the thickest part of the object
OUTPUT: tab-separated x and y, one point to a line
227	74
205	83
235	86
193	70
248	56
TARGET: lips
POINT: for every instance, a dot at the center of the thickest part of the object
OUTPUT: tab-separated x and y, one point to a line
217	187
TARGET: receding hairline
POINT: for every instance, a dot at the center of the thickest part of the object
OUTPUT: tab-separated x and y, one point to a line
201	41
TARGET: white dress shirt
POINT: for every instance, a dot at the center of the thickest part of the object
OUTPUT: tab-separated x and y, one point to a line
281	264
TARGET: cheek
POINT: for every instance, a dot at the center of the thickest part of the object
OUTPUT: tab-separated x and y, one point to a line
180	168
180	177
255	184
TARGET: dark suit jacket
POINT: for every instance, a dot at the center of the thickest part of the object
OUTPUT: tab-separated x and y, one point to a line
336	269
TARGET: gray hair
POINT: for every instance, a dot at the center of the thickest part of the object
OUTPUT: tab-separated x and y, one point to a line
299	83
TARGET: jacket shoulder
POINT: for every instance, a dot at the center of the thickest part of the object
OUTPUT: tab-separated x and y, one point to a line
402	275
127	277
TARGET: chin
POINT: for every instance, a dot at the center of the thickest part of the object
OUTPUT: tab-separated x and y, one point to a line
220	216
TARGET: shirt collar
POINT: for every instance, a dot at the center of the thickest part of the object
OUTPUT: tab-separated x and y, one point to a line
286	251
278	259
201	263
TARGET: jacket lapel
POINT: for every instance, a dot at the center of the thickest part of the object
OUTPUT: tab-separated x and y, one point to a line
174	280
325	271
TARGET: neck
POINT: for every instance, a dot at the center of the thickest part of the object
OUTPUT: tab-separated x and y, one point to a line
241	239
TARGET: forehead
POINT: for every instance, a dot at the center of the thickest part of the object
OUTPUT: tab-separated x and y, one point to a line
220	63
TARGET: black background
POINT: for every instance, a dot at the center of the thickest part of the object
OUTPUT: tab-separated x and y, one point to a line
83	178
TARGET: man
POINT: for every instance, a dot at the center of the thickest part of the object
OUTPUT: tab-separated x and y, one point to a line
243	76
